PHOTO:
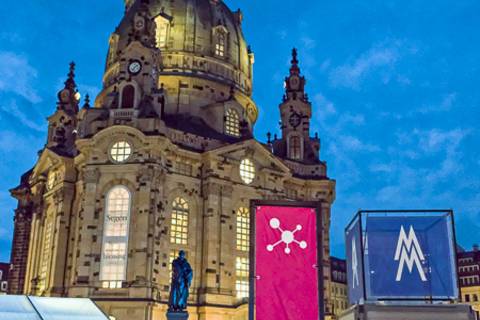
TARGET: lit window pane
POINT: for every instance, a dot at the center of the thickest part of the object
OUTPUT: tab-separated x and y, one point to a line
121	151
241	272
243	229
179	225
162	25
232	123
220	44
247	171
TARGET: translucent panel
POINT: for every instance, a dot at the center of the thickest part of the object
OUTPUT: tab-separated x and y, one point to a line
71	309
17	308
40	308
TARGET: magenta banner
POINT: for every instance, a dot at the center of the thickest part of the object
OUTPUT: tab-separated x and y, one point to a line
286	258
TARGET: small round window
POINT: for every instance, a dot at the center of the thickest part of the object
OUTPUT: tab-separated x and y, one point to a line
121	151
247	171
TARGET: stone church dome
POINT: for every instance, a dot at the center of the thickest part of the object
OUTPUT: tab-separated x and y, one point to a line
200	52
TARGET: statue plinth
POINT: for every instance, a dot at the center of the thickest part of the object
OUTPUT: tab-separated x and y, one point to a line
177	315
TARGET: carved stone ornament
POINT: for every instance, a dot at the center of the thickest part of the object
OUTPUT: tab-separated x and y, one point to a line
91	175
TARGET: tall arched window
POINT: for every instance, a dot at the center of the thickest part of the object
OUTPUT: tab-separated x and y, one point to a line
113	266
295	148
128	97
243	229
243	246
46	254
232	123
179	228
220	43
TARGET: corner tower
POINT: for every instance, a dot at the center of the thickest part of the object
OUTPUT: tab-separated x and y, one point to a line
296	146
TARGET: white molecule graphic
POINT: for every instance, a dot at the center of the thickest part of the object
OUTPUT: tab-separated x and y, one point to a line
287	237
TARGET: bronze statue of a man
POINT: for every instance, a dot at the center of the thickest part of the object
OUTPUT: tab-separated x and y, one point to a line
182	275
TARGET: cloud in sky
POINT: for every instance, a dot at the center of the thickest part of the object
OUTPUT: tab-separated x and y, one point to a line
354	144
12	109
16	75
435	140
446	104
382	56
325	106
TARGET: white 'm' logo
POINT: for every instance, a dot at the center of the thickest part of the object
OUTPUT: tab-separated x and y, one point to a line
354	263
409	252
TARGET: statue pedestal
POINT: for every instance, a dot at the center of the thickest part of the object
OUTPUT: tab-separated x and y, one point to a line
171	315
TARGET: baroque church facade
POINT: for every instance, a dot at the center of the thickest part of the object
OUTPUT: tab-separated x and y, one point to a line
163	160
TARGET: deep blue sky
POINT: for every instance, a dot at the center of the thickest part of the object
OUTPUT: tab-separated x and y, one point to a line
394	87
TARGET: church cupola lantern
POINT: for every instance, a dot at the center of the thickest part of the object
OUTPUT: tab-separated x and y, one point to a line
295	82
69	97
296	113
62	124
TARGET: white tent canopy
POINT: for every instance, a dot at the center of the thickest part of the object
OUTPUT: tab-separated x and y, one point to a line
41	308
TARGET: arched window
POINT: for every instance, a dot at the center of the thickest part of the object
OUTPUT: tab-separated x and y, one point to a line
162	25
243	246
46	254
232	123
220	43
295	148
243	229
113	266
128	97
179	228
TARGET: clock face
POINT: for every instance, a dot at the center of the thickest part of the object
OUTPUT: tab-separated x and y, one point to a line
65	95
295	120
139	23
294	82
135	67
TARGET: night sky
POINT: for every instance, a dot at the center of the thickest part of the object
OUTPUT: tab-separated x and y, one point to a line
393	86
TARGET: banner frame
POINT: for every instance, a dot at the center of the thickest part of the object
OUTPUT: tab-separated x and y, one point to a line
317	205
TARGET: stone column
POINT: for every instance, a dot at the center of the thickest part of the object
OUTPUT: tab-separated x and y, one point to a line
63	205
87	228
19	255
209	287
